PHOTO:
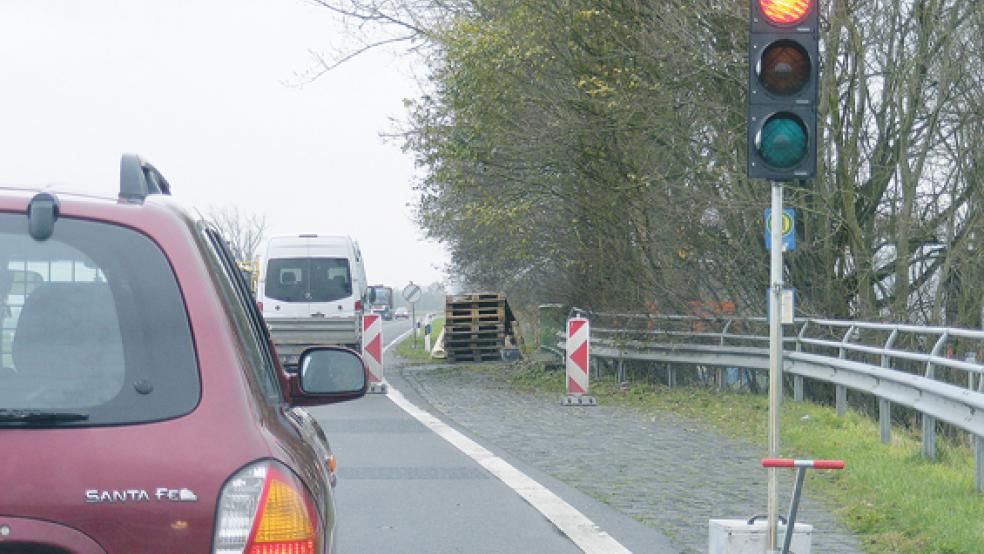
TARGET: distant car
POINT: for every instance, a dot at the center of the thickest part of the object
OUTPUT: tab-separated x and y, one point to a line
401	313
142	406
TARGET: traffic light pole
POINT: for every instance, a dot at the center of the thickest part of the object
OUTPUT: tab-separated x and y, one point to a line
775	357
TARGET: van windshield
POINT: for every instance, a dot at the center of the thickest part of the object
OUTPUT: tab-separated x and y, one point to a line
308	279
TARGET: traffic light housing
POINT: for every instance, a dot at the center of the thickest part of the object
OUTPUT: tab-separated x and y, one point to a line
783	76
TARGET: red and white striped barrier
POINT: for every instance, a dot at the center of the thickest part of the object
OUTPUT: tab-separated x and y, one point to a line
372	351
578	356
815	464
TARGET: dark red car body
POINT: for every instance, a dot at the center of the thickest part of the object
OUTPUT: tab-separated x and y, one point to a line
47	474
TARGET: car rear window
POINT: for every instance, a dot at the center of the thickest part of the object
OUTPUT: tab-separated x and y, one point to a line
92	321
308	279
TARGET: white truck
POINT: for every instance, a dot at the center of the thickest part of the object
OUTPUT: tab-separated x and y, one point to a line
312	291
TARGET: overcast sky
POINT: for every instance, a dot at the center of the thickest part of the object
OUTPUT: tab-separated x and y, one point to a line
198	89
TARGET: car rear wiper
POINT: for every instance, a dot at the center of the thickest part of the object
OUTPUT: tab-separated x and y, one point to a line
39	416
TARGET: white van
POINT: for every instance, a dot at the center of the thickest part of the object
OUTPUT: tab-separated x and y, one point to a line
312	290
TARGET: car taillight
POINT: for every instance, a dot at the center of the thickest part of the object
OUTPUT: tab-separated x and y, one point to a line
259	304
358	305
264	509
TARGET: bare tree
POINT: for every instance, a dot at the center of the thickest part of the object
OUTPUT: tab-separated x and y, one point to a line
242	232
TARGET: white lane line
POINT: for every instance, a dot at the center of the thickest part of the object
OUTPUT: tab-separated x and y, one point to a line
585	534
397	339
571	522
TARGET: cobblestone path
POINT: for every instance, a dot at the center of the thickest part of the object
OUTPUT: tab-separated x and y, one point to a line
670	473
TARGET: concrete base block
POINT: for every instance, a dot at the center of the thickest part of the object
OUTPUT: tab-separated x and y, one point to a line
737	536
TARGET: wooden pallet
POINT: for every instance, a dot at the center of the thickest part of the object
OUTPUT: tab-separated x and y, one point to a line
476	297
474	327
487	304
474	318
471	310
471	344
497	338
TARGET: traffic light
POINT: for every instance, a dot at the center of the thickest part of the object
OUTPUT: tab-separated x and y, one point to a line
783	74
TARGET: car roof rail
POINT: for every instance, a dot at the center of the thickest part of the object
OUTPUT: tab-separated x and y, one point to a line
138	179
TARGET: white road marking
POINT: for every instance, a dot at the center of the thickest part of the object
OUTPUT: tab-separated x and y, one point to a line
397	339
581	530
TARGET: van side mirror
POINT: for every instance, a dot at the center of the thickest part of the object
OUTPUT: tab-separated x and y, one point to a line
371	295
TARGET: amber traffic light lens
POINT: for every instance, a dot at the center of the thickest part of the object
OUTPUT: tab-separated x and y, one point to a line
784	68
785	12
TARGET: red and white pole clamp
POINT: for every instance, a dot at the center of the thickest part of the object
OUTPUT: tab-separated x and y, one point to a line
372	351
577	363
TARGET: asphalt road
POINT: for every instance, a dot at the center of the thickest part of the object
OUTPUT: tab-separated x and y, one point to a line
404	488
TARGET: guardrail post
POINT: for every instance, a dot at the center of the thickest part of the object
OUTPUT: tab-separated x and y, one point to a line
971	358
840	391
979	464
884	406
929	437
885	420
798	379
929	422
840	398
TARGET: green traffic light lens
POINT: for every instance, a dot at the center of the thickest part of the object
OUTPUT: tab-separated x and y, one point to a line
784	68
782	141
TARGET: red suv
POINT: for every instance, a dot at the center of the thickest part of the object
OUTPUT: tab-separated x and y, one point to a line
142	408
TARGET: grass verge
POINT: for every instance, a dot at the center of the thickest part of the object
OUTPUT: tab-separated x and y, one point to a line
406	350
887	495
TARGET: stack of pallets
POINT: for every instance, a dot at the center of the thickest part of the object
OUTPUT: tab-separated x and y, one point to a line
476	326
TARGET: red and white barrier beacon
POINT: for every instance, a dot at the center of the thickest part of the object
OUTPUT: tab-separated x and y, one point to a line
577	363
372	351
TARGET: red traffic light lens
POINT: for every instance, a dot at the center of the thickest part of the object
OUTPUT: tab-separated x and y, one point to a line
784	68
785	12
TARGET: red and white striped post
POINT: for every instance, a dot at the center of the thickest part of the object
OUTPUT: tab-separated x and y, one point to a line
372	351
578	356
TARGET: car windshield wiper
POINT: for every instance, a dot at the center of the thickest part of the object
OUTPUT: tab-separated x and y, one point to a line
39	416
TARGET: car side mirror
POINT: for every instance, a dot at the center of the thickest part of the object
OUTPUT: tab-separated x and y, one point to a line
327	374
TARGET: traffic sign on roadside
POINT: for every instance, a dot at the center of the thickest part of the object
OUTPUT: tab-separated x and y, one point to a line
788	229
412	293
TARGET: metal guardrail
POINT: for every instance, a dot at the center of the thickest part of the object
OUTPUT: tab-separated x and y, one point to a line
922	368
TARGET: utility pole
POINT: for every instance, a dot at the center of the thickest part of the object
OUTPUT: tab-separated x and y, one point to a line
775	357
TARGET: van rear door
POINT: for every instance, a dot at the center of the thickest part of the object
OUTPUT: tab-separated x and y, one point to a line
331	287
287	287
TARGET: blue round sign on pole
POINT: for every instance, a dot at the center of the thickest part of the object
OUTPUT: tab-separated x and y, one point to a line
788	229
